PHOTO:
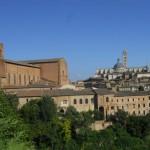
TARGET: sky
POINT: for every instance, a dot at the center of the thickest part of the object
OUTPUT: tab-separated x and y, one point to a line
89	34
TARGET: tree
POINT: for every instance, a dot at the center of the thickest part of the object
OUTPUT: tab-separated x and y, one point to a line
12	128
119	118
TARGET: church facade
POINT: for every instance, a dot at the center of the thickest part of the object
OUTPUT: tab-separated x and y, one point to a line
33	72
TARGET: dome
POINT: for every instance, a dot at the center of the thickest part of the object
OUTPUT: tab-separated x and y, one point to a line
118	65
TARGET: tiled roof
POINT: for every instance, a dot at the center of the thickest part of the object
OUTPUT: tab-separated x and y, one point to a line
70	92
20	63
123	94
41	60
54	93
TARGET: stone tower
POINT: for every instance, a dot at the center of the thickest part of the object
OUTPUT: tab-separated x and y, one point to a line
1	50
2	63
125	58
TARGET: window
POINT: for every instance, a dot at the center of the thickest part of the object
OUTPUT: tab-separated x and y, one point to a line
112	107
20	79
128	100
149	104
25	79
81	101
86	101
75	101
27	100
143	99
107	99
139	112
133	99
143	105
133	112
149	97
138	105
14	79
122	100
117	100
123	107
144	112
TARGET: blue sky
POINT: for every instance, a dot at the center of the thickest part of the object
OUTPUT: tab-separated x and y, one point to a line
90	34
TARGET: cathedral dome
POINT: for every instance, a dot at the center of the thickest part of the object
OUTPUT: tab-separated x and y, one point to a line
118	65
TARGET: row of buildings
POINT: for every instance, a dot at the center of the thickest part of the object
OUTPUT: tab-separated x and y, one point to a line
31	79
105	101
121	77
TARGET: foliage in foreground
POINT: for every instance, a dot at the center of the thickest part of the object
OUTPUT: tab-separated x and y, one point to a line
38	123
13	131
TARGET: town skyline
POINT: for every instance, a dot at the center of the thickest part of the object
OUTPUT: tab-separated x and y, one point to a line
87	38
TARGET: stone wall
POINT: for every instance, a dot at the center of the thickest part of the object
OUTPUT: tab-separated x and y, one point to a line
20	75
134	105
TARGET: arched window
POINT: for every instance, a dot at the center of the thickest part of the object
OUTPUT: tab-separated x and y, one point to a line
75	101
20	79
81	101
107	99
86	101
25	81
14	79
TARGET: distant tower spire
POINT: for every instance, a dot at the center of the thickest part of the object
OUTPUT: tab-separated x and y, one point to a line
125	58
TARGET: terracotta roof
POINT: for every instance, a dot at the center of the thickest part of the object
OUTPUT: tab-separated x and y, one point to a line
53	93
104	91
41	60
70	92
20	63
138	93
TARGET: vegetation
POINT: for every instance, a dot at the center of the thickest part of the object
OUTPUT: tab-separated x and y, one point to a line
38	126
13	131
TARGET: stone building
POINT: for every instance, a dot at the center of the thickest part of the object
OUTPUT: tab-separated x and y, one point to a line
121	68
106	101
33	72
82	100
121	77
135	103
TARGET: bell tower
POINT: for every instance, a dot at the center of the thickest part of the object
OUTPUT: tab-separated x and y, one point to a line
1	51
2	62
125	58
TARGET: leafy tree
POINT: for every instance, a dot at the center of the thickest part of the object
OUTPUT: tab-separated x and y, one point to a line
11	126
98	115
120	118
